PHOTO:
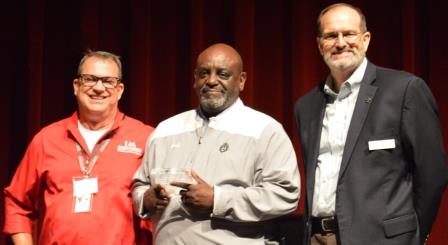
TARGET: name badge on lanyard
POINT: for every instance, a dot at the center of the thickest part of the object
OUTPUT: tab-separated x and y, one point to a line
84	187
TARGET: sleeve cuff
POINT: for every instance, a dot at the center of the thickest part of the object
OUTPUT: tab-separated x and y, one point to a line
219	202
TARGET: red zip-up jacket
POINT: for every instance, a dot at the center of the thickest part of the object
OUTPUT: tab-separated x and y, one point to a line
41	190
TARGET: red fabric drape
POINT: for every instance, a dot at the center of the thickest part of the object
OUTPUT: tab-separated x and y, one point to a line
43	41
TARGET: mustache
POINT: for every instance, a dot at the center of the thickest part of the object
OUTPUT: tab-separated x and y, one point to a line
205	88
340	51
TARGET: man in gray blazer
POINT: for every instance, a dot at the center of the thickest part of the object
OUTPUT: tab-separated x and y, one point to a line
371	144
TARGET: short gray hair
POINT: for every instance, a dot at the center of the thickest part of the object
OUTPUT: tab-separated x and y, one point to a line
363	26
102	55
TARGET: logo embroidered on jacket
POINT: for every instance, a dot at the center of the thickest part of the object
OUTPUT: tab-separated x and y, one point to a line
129	147
224	147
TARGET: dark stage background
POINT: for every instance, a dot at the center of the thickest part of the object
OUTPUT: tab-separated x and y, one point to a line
43	40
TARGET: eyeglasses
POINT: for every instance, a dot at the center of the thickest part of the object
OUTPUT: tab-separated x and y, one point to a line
348	36
88	80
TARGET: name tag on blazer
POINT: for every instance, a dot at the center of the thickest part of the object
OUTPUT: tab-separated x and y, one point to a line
381	144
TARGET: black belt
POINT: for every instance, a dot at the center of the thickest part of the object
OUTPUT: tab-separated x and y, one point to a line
324	225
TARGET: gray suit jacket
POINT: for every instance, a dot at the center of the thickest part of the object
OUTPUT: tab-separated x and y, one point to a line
386	196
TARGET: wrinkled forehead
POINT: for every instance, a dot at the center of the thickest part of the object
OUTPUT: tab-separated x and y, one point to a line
215	59
219	58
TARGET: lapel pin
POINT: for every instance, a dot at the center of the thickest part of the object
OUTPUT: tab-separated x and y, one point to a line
368	100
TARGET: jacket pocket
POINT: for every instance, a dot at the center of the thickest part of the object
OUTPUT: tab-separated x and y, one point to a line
400	225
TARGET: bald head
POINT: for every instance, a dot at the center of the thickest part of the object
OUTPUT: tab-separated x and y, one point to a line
222	49
219	78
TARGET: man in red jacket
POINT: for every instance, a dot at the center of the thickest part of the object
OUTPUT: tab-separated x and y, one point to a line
74	180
